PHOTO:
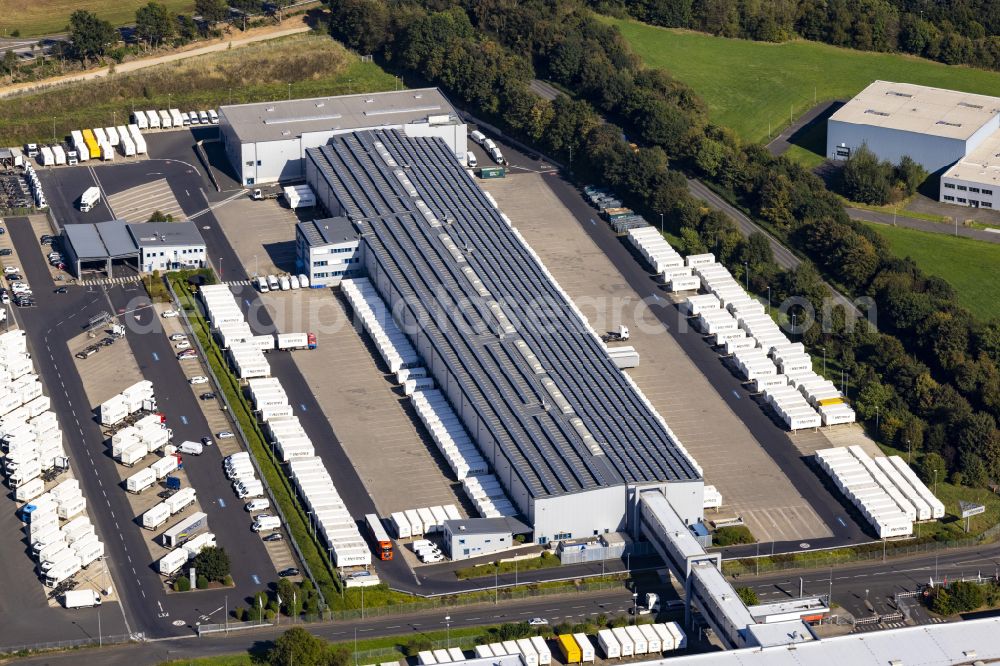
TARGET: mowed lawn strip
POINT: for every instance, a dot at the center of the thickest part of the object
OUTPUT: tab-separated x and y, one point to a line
970	266
314	65
750	84
45	17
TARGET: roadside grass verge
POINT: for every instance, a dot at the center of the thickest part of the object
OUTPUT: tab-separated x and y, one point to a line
296	521
314	65
969	265
731	536
899	209
749	85
544	561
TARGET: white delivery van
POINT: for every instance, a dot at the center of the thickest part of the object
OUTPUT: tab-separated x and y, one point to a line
266	523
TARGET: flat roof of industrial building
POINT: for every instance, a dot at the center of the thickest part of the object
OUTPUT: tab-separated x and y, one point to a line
919	109
561	412
276	121
982	165
118	239
166	234
327	231
502	524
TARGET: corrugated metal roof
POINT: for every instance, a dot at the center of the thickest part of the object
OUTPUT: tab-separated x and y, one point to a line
103	240
540	420
328	231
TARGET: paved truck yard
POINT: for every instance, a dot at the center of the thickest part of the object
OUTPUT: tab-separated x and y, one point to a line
751	483
371	417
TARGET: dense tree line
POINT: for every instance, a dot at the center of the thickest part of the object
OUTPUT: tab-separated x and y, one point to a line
950	31
868	179
929	363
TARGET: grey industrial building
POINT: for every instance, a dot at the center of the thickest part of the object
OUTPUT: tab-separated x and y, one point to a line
266	142
933	126
147	247
473	537
567	433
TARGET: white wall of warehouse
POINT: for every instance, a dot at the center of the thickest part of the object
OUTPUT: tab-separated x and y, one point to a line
987	196
283	160
932	152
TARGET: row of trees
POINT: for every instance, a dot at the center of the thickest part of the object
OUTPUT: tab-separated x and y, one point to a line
950	31
932	363
92	37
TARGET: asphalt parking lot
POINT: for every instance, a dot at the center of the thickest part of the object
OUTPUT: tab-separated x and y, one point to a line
170	179
50	326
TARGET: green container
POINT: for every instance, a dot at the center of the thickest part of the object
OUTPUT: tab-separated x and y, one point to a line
492	172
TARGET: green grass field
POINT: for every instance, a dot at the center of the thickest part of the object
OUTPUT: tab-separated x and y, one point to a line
45	17
314	64
750	84
970	266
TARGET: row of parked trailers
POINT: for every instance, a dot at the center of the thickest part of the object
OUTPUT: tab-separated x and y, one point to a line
432	407
99	143
167	118
233	332
137	397
36	186
884	489
187	539
61	537
29	430
133	443
61	550
308	473
329	513
418	522
666	263
779	369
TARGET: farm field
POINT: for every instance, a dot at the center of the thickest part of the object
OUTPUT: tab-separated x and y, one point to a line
748	85
315	65
968	265
45	17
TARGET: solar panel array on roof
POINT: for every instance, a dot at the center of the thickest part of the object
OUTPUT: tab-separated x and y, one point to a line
562	413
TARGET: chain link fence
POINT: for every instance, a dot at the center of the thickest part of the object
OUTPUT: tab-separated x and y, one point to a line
114	639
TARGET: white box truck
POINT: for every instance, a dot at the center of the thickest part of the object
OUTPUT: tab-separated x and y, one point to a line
90	198
81	599
139	120
165	119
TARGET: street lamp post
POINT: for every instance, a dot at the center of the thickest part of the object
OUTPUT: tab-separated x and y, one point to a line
768	299
746	273
447	626
661	214
824	361
908	449
635	608
876	422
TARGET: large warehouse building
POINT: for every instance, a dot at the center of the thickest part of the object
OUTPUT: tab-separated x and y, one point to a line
948	132
266	142
571	438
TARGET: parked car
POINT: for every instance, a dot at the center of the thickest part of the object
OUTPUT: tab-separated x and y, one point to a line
207	396
178	336
538	622
225	434
61	290
6	252
168	314
290	571
198	379
186	354
11	269
274	537
183	344
206	441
